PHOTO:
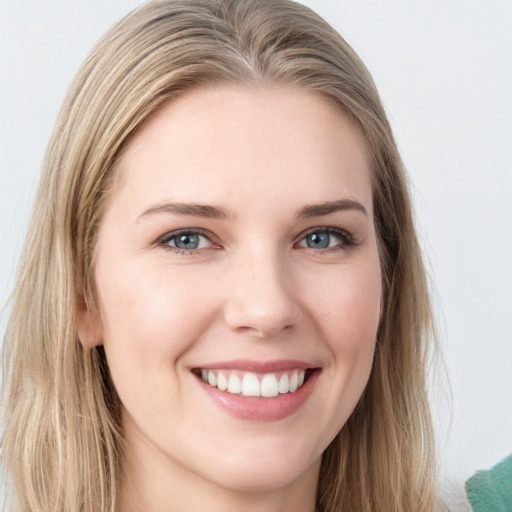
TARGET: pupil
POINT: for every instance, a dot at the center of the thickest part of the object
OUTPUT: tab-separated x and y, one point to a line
187	241
318	240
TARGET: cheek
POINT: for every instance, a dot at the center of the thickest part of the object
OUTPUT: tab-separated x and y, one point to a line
347	312
347	307
152	317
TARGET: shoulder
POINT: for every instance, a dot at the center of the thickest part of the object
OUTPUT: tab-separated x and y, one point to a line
491	490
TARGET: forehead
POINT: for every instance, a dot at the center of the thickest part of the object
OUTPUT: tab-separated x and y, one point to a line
228	143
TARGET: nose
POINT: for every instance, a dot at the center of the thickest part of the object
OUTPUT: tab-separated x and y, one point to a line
260	297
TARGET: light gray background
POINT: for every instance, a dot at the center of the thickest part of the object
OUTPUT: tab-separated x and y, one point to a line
444	69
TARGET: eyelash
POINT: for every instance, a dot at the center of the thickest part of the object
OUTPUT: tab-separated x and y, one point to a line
173	235
346	239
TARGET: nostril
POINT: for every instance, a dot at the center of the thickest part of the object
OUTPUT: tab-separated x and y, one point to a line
262	320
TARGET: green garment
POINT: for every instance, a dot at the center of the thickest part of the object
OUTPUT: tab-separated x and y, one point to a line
491	491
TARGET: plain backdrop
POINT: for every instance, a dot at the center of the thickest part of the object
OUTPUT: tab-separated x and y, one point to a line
444	70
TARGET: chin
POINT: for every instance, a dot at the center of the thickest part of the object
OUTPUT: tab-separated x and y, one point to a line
266	471
259	480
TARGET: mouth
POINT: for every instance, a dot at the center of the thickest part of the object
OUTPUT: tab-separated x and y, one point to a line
258	391
255	384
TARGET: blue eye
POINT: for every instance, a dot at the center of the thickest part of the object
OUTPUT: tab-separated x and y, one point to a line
326	238
185	240
318	240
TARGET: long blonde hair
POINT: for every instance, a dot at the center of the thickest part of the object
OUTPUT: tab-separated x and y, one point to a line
62	437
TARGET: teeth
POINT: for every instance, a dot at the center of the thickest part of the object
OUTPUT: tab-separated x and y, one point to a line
222	382
269	386
294	382
212	380
284	384
251	384
234	384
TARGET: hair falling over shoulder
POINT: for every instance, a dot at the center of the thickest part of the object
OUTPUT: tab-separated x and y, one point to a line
62	442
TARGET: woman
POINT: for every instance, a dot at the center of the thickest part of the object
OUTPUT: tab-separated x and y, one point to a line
222	301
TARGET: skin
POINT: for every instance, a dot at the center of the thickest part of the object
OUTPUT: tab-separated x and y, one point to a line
253	290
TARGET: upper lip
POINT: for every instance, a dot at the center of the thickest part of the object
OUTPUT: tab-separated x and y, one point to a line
248	365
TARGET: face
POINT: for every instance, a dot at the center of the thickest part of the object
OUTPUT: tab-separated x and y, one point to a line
238	285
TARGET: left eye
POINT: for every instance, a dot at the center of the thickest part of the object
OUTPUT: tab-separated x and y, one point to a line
324	239
186	241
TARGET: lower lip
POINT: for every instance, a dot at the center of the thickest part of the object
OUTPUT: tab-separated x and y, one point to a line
261	409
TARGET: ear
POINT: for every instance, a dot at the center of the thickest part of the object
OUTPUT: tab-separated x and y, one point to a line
88	325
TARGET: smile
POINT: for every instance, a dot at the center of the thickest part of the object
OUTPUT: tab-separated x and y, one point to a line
250	384
258	391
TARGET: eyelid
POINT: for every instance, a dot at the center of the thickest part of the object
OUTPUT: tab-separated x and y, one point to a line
163	240
345	236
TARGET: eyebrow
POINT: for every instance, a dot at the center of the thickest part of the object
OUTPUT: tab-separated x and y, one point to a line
215	212
186	209
318	210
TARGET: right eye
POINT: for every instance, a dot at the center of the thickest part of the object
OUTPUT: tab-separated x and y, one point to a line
185	241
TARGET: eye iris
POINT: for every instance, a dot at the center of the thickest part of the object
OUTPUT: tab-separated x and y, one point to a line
187	241
318	240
